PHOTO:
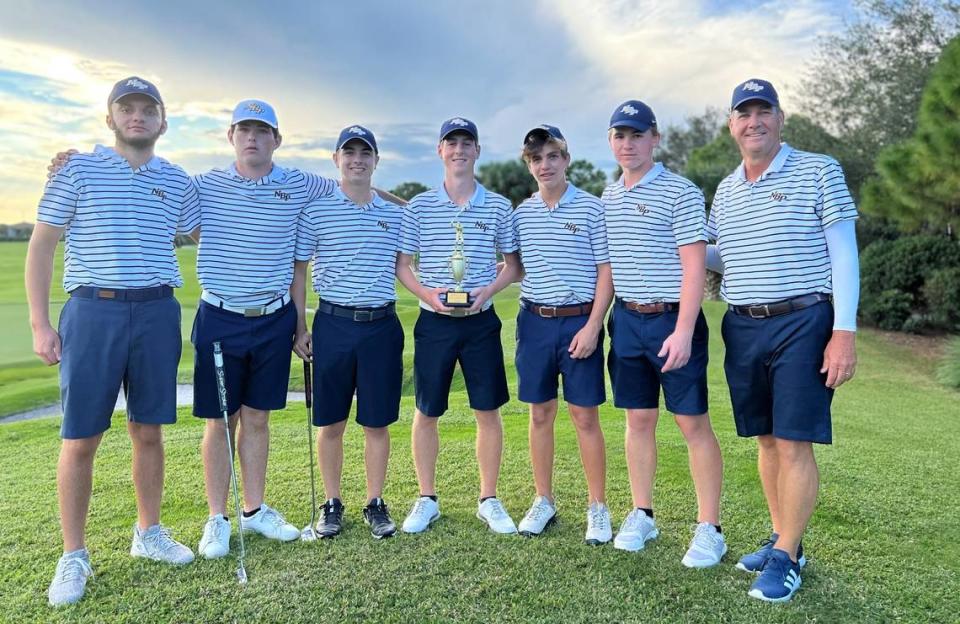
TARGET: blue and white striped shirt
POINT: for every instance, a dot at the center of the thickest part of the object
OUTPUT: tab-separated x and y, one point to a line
428	230
770	232
119	223
646	225
354	249
249	229
560	247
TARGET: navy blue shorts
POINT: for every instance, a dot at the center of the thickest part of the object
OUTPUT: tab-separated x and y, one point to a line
256	358
635	341
542	356
366	357
107	344
773	371
440	341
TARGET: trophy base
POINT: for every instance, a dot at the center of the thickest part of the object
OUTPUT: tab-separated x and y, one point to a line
456	299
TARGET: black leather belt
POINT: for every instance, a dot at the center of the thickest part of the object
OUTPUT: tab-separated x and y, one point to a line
766	310
123	294
577	309
657	307
361	315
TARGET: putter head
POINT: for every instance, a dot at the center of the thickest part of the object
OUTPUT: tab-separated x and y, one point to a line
242	575
309	534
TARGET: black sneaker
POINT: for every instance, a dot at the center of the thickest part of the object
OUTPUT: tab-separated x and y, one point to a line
331	518
377	516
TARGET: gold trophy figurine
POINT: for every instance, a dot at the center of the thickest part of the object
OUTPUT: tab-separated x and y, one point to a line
458	264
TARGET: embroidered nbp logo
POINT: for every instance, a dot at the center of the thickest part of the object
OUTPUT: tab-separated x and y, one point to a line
356	130
480	225
572	227
629	110
458	122
383	225
642	209
137	84
282	195
752	86
159	192
777	196
253	107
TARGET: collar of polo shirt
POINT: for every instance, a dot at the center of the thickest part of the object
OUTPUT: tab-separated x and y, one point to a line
154	164
648	177
277	174
376	202
478	199
566	198
775	165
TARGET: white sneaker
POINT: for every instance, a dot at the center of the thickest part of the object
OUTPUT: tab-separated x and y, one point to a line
492	512
215	542
70	579
637	528
540	515
424	512
156	543
271	524
599	530
707	547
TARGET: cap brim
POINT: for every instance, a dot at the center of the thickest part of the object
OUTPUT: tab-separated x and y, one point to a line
754	98
467	131
251	118
357	138
629	123
152	97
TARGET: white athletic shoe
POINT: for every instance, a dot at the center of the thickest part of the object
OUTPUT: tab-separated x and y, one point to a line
599	530
70	579
637	529
156	543
540	515
424	512
215	542
707	547
271	524
492	512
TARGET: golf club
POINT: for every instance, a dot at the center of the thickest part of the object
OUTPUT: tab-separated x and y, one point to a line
309	533
222	393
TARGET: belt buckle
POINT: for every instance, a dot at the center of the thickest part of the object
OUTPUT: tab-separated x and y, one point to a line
542	309
766	311
253	312
106	294
358	315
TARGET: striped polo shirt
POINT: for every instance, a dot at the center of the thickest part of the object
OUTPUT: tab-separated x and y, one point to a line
428	230
249	231
354	249
560	247
646	224
770	232
119	223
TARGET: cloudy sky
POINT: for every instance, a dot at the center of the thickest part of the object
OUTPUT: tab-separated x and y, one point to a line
399	68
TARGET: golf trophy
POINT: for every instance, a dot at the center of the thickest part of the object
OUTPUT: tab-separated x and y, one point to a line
458	264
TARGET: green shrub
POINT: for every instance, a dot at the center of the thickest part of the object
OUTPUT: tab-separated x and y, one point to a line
942	293
888	309
948	373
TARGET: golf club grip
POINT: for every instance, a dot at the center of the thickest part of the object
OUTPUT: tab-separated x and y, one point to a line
221	377
307	384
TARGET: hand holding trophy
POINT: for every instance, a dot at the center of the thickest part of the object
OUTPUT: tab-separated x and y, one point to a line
458	265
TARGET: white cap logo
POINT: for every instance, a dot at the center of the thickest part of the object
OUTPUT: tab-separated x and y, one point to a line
253	107
357	130
137	84
629	110
458	122
752	86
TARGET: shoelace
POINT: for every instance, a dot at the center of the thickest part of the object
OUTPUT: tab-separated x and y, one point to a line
379	512
218	528
703	537
538	512
74	568
273	516
330	512
164	540
598	519
496	509
419	507
632	523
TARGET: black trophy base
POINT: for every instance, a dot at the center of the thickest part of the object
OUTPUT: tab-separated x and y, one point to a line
456	299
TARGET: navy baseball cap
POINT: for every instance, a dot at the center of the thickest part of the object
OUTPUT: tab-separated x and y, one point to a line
754	89
255	110
131	85
552	132
633	114
459	123
357	132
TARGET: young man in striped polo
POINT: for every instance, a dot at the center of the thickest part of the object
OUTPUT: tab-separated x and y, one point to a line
658	335
352	237
784	226
433	222
249	216
564	296
119	210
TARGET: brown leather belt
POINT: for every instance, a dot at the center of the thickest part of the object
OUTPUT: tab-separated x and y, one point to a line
776	308
650	308
579	309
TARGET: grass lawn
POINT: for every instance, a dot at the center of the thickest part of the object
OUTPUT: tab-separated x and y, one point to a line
882	544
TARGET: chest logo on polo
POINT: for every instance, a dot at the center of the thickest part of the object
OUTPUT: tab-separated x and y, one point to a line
159	192
281	195
778	196
642	209
572	227
383	225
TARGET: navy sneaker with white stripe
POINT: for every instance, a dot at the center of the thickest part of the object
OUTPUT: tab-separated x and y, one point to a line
779	580
753	562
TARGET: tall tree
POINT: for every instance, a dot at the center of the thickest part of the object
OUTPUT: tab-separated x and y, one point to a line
587	177
510	178
407	190
678	141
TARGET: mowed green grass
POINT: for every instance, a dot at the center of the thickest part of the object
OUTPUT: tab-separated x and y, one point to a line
882	544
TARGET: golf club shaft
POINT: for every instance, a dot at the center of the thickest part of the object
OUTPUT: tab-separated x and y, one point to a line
224	410
308	397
